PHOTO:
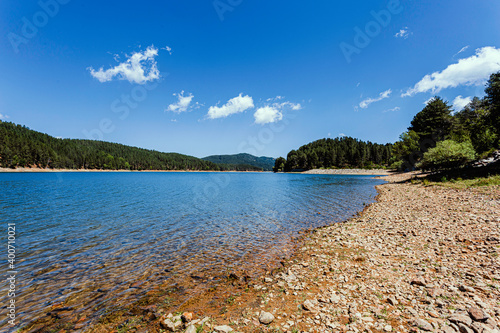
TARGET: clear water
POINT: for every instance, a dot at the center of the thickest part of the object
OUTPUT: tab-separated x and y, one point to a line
78	233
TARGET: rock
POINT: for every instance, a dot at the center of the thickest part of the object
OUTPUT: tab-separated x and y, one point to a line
169	325
222	329
335	299
388	328
423	325
392	301
460	319
466	289
266	318
477	327
435	292
465	329
418	281
477	314
309	306
448	329
187	317
491	323
190	329
137	284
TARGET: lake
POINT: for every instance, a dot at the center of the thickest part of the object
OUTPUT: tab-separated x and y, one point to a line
83	239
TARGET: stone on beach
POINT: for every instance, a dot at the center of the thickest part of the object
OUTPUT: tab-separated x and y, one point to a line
223	329
266	318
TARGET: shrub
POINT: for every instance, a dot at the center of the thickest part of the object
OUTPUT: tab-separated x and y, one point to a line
448	154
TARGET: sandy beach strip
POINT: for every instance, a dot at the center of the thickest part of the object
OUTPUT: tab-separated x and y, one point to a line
381	172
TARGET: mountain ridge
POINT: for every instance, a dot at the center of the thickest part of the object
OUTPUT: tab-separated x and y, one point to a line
263	162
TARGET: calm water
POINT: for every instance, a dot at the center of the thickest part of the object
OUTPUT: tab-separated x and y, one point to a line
83	238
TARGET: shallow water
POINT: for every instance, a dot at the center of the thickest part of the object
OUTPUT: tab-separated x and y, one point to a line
83	238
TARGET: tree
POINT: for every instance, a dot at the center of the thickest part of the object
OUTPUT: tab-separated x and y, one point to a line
473	123
448	154
433	123
279	165
493	99
407	150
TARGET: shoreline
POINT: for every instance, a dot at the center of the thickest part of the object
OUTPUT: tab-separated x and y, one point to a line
418	258
39	170
368	172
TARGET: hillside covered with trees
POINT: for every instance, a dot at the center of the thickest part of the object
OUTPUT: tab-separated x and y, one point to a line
342	152
264	163
23	147
440	139
437	138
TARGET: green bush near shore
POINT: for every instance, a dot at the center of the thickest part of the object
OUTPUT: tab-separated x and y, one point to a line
448	154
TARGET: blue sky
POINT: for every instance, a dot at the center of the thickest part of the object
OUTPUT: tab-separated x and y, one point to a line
230	76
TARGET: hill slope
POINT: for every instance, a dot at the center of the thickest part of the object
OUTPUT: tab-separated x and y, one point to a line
265	163
23	147
342	152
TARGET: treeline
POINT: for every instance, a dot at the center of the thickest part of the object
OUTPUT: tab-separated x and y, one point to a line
265	163
342	152
440	139
22	147
437	139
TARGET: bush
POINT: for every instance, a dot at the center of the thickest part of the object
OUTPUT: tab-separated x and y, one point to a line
448	154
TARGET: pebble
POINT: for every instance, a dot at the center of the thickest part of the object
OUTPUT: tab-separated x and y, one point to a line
266	318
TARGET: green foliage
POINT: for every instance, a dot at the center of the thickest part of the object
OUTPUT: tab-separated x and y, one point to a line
473	123
493	100
448	154
279	165
22	147
259	163
433	123
476	126
338	153
404	150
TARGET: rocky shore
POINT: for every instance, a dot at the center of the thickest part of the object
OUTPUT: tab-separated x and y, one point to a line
380	172
420	259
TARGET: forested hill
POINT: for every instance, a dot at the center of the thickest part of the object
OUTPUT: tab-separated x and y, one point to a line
342	152
265	163
23	147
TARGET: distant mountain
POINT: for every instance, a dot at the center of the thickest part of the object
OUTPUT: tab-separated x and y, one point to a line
23	147
265	163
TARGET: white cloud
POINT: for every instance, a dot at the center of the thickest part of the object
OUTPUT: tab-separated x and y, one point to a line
274	112
168	49
341	135
460	102
267	114
139	68
235	105
4	117
183	103
463	49
403	33
474	70
397	108
385	94
293	106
